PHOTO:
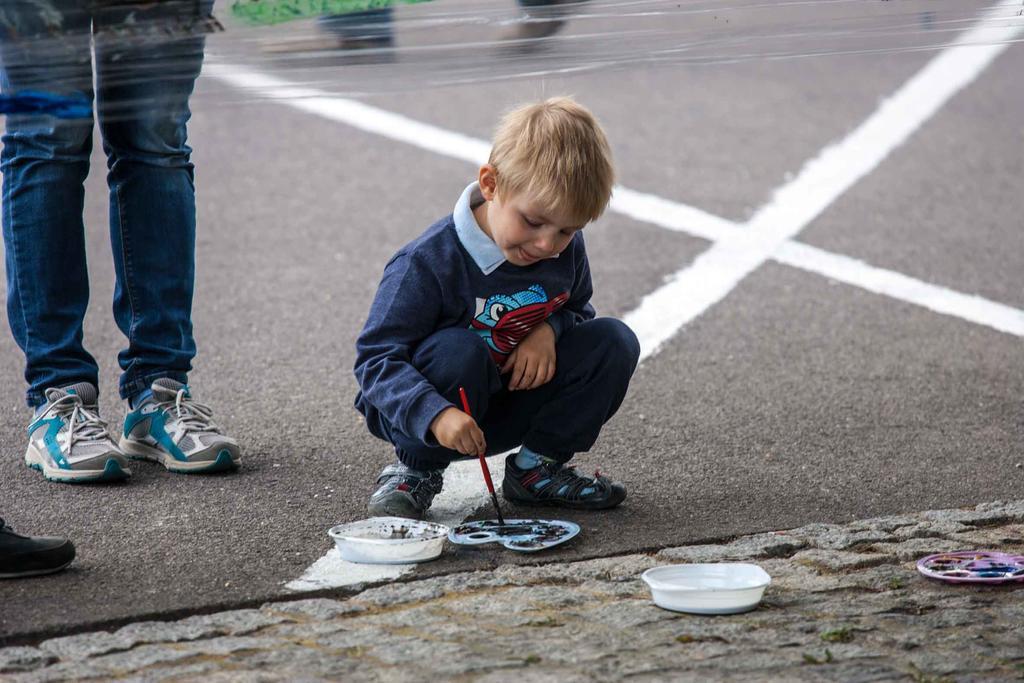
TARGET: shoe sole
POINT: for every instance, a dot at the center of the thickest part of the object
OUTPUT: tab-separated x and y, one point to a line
112	471
224	461
511	497
36	572
564	504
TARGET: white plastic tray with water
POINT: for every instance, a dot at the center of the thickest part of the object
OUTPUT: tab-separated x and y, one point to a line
719	588
389	540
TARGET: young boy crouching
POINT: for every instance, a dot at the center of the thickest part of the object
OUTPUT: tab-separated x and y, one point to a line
495	298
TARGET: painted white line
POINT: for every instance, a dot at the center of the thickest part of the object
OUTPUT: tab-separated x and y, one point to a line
330	571
665	213
717	271
898	286
353	113
464	491
837	168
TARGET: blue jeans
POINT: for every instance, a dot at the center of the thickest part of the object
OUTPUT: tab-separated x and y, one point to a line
141	101
595	361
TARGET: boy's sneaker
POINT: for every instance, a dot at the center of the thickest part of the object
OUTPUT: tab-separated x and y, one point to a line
405	492
170	428
555	484
32	555
68	442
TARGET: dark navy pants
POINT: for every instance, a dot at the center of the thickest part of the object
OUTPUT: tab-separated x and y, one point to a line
594	364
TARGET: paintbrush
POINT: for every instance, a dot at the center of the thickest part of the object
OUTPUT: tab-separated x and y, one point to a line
483	462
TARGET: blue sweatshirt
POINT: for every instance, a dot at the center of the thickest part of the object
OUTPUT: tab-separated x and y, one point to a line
454	275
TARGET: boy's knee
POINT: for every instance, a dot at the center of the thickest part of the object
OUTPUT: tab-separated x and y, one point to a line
448	355
455	341
618	339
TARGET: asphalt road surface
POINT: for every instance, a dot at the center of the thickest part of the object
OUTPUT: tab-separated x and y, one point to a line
864	358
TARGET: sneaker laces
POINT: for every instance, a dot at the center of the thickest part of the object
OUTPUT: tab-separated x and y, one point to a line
574	484
192	414
83	424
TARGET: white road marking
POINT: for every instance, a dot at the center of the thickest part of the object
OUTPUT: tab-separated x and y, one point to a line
352	113
330	571
670	215
464	491
880	281
737	249
717	271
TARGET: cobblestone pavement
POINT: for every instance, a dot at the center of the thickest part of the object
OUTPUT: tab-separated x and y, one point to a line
845	604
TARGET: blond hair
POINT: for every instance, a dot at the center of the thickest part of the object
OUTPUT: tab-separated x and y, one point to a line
557	151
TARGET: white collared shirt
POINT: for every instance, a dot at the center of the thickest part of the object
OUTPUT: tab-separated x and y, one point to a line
485	253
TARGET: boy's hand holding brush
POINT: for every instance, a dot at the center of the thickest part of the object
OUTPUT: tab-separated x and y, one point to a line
458	431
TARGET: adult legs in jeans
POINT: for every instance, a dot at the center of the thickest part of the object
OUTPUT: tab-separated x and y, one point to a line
45	161
142	100
142	106
142	94
595	362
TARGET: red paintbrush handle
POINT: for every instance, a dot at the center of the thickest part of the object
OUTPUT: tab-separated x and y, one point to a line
483	463
487	474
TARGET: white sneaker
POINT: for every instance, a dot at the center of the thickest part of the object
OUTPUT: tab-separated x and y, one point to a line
170	428
68	442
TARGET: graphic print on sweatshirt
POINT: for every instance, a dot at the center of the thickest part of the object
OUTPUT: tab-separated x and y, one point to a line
504	320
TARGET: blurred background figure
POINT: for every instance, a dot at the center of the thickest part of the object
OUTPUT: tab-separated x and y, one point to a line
542	18
374	29
358	30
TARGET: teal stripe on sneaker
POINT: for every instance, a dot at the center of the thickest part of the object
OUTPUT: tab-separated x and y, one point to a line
158	432
53	427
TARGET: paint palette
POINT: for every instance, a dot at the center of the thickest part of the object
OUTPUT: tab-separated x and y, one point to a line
522	535
973	566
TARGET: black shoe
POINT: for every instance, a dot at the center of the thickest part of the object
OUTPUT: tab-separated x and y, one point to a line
558	485
32	555
405	492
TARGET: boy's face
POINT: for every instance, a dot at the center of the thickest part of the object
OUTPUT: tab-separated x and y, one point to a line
525	231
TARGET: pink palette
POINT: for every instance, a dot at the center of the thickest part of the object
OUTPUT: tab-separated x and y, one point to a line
973	566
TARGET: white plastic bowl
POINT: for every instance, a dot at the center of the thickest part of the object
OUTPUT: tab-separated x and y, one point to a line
722	588
389	540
